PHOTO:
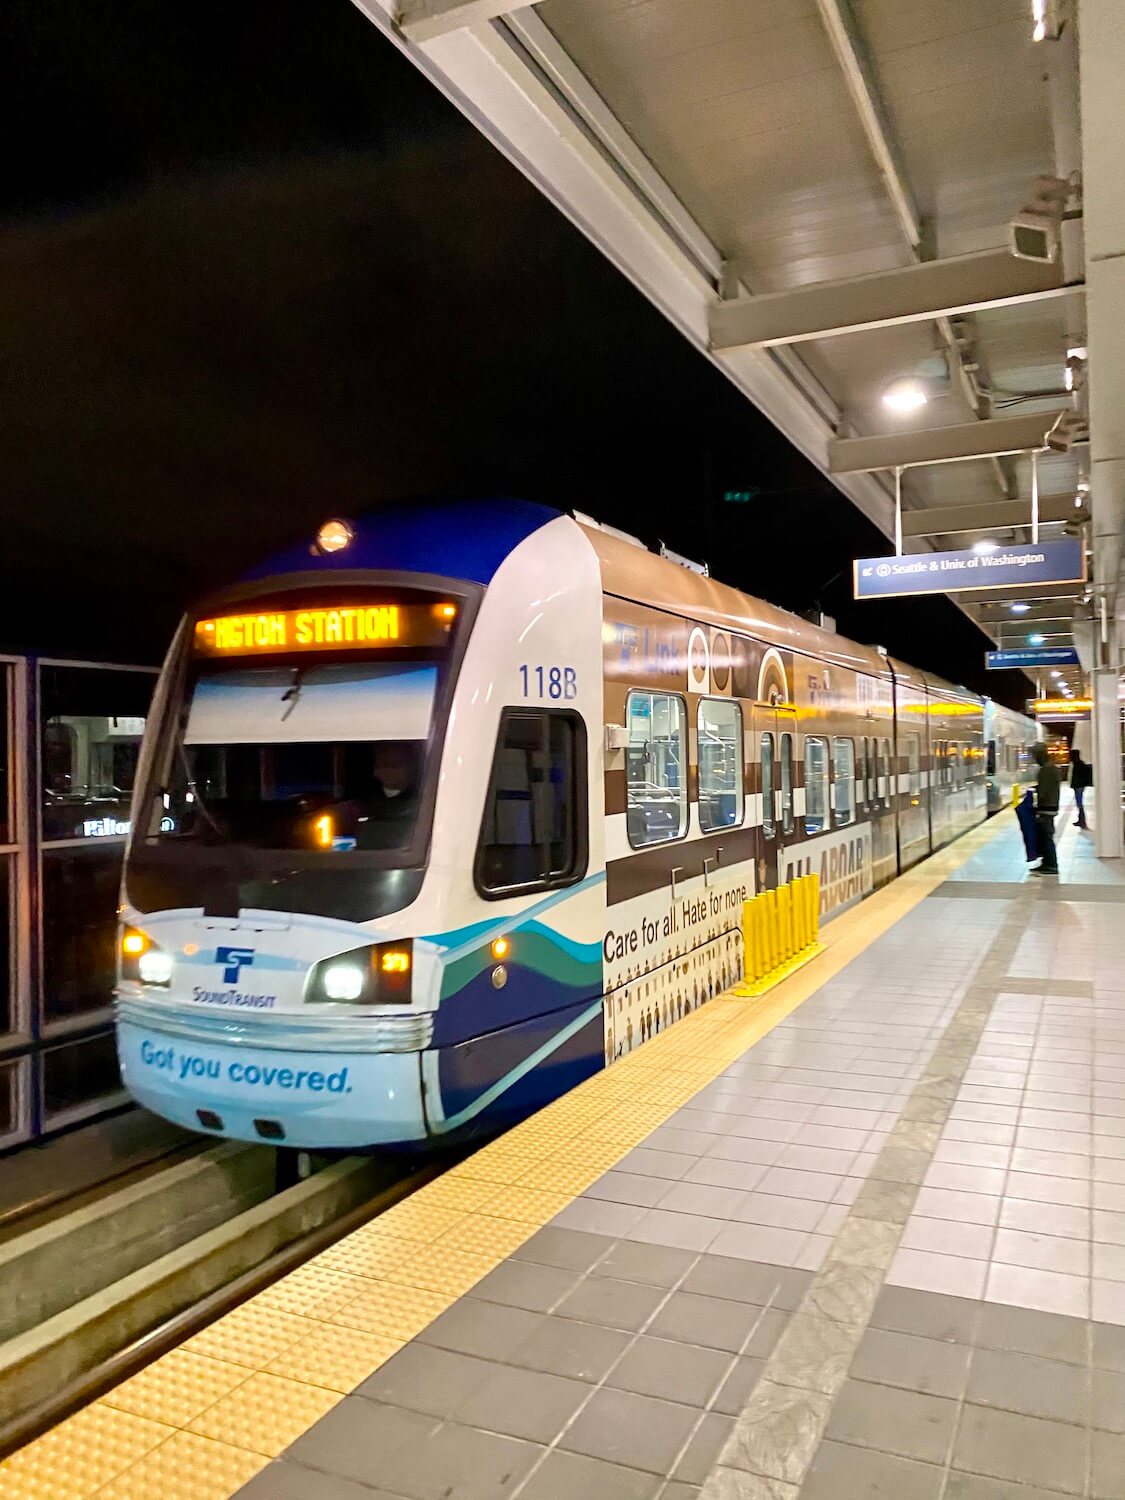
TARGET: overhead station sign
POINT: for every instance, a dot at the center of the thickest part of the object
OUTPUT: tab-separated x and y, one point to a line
1024	565
1031	656
1062	708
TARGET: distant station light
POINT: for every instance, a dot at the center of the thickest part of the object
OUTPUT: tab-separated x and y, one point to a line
334	536
740	497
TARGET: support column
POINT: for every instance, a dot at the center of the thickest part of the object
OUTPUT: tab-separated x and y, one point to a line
1101	50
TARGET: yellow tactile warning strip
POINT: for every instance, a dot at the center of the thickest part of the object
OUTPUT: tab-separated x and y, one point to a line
199	1422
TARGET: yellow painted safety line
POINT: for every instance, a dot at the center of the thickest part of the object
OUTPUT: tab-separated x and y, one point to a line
201	1421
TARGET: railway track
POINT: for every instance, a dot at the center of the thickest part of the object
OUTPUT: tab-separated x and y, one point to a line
92	1295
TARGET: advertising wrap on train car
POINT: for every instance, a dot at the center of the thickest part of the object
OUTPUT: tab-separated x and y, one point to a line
319	1097
842	860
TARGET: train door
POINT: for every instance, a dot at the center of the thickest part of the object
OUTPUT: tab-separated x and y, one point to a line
775	731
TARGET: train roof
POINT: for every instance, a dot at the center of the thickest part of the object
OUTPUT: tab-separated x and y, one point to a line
469	539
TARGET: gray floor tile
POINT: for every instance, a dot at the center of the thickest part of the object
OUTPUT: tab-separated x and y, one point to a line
568	1249
427	1379
1108	1400
713	1322
637	1431
736	1389
928	1314
703	1449
612	1303
1109	1346
1025	1383
1108	1466
471	1465
906	1423
572	1476
841	1472
912	1363
629	1187
1025	1331
367	1442
522	1403
518	1283
482	1328
599	1216
675	1490
738	1280
672	1371
657	1265
653	1163
1022	1449
285	1481
561	1346
975	1487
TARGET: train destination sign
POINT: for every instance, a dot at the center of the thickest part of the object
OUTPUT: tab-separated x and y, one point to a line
1015	567
1031	656
343	627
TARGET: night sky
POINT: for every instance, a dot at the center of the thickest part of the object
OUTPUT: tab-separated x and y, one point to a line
256	271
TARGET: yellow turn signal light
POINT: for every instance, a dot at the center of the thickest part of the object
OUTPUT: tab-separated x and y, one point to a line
133	943
501	947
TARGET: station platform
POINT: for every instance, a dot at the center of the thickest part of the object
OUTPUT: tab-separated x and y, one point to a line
862	1237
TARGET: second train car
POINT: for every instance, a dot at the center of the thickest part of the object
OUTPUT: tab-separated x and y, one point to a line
441	815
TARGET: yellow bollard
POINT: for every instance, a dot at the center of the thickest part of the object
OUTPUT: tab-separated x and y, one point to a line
785	897
750	939
801	912
814	905
766	900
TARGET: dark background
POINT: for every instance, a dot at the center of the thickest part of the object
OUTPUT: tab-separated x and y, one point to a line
256	271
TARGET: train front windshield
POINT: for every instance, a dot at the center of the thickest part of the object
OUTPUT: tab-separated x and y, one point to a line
319	757
295	762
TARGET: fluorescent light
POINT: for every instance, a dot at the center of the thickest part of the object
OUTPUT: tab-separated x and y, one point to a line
1019	608
905	396
983	548
1036	639
1039	16
1056	674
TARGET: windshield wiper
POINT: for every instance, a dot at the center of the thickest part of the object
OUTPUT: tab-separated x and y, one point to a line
292	692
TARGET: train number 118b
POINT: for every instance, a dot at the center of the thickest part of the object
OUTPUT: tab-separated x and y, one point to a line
549	682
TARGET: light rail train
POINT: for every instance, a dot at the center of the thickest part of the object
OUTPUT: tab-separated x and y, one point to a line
437	818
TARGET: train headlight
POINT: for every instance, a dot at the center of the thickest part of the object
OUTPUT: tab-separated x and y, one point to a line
144	960
343	981
155	967
376	975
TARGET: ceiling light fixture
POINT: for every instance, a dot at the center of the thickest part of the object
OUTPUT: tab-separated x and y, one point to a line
1036	639
1020	608
984	547
905	396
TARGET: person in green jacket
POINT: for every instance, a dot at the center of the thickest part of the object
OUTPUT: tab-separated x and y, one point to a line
1046	810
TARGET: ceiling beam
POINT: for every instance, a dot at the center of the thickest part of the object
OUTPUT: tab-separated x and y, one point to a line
996	515
998	613
909	294
939	445
423	20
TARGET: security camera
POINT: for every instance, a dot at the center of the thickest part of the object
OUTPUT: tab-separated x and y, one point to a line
1034	233
1034	236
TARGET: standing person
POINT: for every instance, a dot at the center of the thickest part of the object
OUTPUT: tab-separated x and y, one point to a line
1046	810
1081	776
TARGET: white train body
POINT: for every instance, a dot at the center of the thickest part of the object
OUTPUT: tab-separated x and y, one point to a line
610	753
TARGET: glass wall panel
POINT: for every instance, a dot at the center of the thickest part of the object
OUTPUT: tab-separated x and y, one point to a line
7	771
79	1073
80	891
7	941
92	719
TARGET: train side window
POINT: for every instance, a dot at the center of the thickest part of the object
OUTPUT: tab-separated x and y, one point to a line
940	763
966	764
769	827
721	800
533	834
656	766
843	765
954	763
887	787
871	753
914	765
861	776
816	784
786	770
991	763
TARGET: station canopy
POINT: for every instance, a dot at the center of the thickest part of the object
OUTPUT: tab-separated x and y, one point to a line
821	195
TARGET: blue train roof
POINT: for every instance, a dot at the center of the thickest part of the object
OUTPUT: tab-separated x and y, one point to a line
466	539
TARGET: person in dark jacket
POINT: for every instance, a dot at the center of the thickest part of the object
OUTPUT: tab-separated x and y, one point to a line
1046	810
1081	776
